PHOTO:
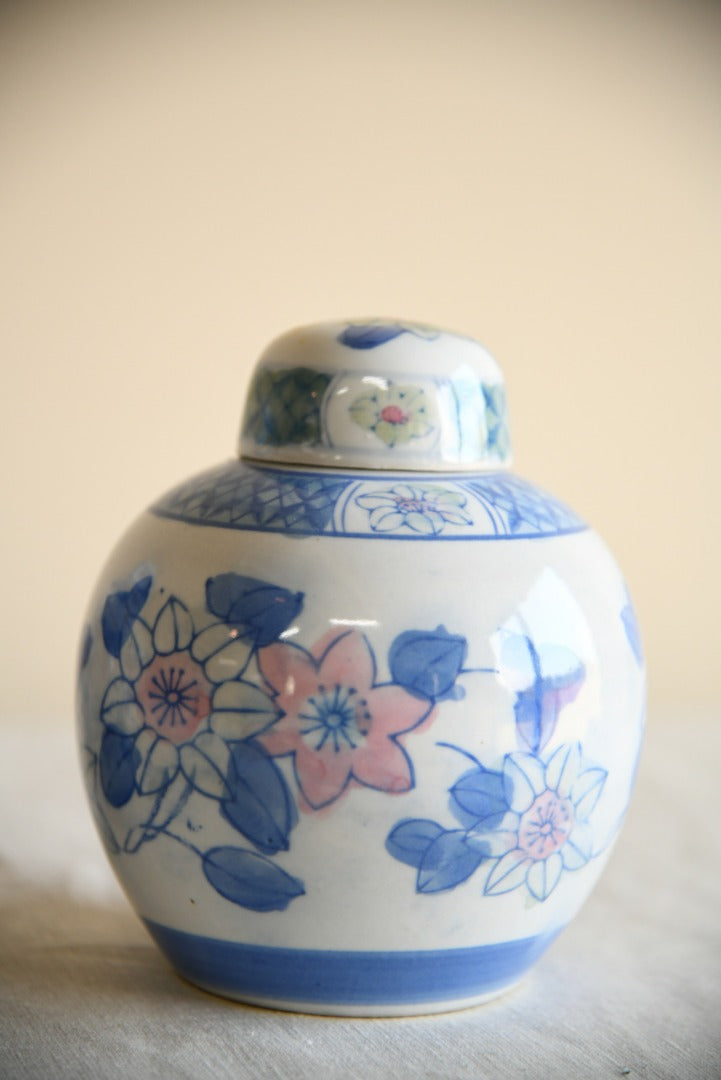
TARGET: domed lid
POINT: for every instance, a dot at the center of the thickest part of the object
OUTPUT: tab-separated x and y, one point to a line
376	394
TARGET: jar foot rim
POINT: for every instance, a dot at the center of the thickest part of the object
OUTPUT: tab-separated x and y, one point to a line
350	983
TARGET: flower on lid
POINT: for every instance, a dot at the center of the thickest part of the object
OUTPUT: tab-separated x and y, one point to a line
396	415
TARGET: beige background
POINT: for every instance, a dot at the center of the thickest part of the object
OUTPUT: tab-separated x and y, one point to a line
179	182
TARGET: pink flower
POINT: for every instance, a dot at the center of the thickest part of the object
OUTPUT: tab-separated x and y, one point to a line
175	696
393	415
545	827
338	725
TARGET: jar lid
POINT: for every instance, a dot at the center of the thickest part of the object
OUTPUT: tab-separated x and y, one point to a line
376	394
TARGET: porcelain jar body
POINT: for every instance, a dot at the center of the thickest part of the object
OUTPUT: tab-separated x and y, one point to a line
359	741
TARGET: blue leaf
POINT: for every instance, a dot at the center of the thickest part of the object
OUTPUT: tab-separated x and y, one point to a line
448	861
264	610
369	335
555	675
118	761
536	711
410	839
427	662
120	611
528	710
478	797
250	880
260	808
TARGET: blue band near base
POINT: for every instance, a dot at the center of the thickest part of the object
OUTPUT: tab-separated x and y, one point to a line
317	976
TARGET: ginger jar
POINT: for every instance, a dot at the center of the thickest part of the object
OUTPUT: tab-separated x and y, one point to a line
360	710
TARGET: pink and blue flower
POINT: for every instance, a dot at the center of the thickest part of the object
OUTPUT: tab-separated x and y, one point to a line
420	508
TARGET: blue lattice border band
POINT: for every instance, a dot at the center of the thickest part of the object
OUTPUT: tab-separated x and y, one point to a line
304	415
392	506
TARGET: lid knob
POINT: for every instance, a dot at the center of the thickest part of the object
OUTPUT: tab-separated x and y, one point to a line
376	394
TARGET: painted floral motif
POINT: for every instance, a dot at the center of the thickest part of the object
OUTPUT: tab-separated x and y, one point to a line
174	696
179	696
422	508
336	722
179	720
396	415
369	335
207	706
527	823
546	829
543	678
215	704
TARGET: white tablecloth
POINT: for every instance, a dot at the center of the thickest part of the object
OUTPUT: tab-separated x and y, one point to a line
632	988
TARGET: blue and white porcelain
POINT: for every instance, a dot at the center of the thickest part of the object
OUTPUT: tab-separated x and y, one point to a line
360	711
